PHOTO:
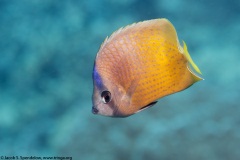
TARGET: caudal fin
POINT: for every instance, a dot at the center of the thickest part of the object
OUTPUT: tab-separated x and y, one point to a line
194	66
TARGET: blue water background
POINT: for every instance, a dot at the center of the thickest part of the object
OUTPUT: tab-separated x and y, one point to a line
47	50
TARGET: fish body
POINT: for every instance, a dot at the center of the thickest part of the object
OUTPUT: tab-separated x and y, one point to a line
139	64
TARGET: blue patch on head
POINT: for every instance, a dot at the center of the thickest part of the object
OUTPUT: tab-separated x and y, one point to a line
97	78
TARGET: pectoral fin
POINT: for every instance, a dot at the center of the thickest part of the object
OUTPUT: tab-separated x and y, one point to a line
126	98
131	89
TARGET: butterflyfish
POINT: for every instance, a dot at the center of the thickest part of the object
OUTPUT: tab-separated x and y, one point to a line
139	64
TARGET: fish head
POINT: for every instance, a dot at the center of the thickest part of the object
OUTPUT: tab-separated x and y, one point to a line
107	96
108	101
103	102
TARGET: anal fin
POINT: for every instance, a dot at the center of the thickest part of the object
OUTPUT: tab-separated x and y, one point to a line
147	106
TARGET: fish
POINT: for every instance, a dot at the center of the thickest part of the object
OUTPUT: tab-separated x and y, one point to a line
139	64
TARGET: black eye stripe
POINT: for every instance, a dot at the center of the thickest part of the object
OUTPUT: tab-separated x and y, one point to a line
106	96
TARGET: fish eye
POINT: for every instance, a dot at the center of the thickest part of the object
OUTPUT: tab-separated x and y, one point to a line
106	96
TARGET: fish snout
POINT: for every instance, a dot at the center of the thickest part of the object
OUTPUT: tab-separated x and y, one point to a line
94	110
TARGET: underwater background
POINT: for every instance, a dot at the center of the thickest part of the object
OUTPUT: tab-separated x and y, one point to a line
48	49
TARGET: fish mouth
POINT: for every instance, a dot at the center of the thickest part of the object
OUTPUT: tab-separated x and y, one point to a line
95	110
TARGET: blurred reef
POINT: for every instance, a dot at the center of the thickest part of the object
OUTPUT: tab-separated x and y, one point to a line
47	55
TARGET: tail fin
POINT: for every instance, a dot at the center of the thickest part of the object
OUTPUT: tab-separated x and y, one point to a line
194	66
